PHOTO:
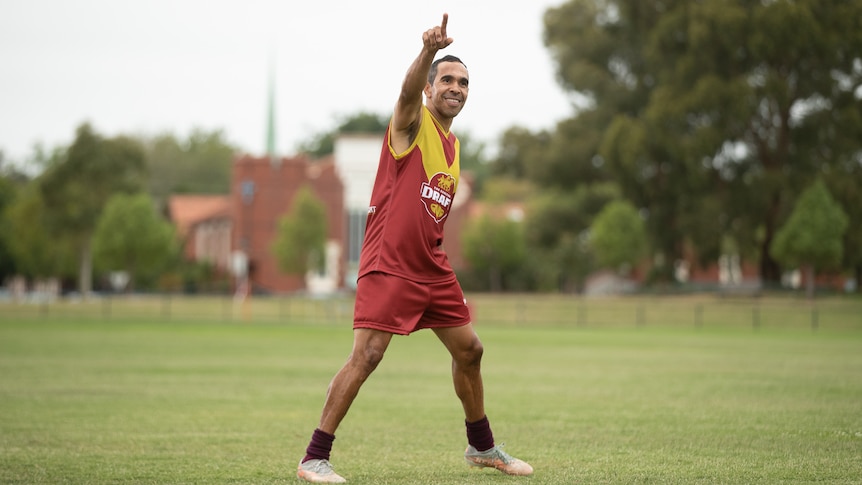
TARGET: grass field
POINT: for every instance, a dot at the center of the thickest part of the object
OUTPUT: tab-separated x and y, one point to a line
737	397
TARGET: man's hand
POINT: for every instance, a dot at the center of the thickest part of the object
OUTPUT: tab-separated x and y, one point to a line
408	109
436	39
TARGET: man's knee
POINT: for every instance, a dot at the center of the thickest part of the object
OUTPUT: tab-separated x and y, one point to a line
470	354
367	358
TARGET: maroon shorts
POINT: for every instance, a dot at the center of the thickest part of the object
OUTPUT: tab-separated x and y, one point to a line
396	305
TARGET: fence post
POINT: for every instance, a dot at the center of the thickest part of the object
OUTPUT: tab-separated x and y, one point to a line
582	314
755	316
106	307
285	308
166	306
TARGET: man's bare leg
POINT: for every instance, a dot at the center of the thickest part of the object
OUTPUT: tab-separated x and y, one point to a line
368	349
466	350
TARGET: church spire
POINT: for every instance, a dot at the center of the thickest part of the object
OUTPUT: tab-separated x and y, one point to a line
274	159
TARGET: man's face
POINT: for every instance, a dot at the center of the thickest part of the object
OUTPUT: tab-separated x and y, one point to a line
447	95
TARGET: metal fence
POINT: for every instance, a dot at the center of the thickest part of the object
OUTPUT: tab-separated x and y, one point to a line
700	311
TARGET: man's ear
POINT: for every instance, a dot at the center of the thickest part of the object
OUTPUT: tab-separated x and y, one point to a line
427	90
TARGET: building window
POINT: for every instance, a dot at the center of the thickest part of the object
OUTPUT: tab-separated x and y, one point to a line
356	219
247	191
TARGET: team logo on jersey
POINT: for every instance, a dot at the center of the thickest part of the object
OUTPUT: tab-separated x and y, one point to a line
437	195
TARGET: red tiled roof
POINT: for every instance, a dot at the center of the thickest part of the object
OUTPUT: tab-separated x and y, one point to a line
188	210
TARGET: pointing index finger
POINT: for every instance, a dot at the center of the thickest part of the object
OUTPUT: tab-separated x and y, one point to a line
443	25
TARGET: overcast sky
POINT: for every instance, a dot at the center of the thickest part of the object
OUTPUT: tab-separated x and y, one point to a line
154	66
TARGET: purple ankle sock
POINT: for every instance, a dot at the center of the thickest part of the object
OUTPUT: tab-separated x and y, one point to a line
479	434
320	446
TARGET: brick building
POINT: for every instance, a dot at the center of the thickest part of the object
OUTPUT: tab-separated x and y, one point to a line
204	224
218	228
262	191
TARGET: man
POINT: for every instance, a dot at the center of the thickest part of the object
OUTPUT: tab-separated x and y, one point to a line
405	280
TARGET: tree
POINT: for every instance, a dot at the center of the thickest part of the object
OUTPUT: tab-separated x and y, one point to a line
300	243
130	236
557	225
760	109
76	189
8	191
474	162
735	100
600	51
812	236
323	144
618	237
519	149
567	157
495	248
36	253
843	183
200	164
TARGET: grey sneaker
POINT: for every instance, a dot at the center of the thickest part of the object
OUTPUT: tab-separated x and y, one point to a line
318	471
499	459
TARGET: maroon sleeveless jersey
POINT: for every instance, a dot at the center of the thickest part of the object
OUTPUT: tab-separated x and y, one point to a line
411	199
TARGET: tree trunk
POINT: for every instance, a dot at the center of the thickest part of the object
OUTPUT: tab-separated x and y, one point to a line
85	269
770	271
809	281
495	278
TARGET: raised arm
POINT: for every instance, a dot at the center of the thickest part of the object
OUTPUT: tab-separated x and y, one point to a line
408	108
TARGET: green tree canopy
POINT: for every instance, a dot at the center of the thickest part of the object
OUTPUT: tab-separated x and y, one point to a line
323	144
36	251
200	164
496	250
76	189
618	236
519	149
131	236
812	236
557	225
474	162
300	243
8	191
844	184
741	102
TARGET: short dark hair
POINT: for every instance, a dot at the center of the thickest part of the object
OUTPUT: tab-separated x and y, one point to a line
432	74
